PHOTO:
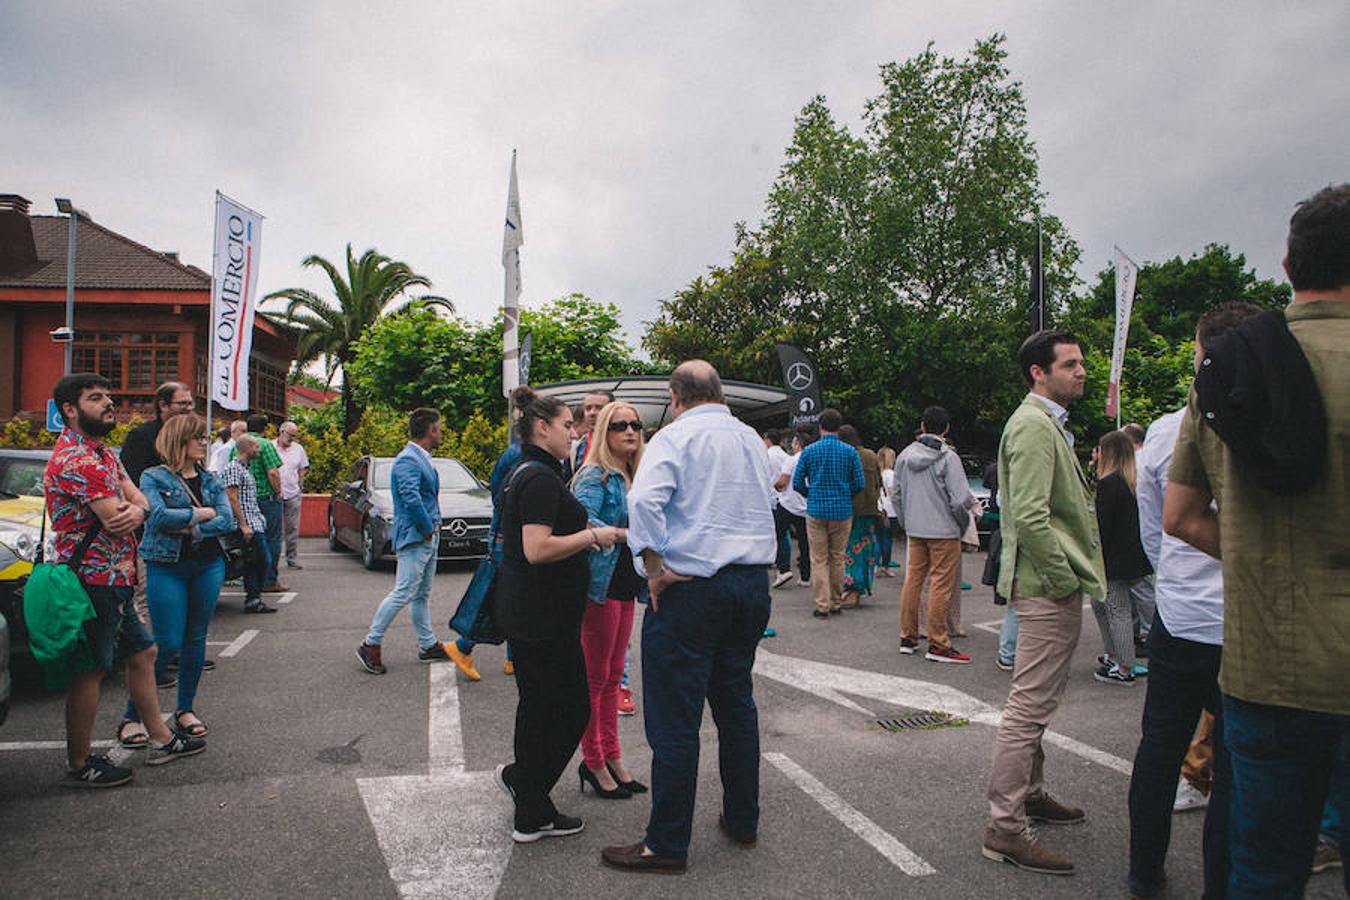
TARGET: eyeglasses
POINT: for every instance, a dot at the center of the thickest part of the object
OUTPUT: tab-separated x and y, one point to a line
617	427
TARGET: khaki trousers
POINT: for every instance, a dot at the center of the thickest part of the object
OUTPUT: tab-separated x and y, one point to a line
1045	643
941	558
828	539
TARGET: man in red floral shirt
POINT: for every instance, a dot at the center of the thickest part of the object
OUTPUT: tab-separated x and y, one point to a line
88	492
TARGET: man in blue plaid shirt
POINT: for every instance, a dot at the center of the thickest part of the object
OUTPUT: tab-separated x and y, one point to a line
829	473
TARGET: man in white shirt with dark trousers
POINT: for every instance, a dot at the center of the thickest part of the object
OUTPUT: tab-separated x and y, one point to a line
700	525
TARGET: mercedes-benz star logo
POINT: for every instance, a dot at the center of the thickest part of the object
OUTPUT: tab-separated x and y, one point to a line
800	376
458	527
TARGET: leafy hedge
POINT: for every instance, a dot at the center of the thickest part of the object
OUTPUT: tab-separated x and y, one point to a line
382	432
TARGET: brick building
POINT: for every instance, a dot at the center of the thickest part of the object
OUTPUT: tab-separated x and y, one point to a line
141	318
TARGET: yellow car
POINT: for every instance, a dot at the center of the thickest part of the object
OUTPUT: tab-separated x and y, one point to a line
21	515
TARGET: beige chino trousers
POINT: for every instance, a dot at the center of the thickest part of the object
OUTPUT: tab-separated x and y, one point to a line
1047	637
828	539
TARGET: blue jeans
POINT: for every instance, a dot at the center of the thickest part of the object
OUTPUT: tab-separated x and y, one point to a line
181	598
700	645
1007	636
272	511
412	584
1285	762
255	572
1183	679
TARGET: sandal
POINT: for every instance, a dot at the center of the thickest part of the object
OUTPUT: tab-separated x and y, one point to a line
134	741
196	729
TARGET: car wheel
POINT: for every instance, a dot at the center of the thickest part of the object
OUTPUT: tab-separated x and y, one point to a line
369	558
333	543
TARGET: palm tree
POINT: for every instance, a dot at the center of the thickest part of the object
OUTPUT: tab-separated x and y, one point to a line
332	331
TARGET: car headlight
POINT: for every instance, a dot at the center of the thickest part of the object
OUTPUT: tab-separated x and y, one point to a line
21	542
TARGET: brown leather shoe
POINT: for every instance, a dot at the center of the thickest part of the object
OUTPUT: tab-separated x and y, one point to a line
1044	808
276	587
630	858
1025	852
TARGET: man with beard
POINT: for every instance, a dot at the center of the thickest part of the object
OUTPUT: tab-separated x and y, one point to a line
94	509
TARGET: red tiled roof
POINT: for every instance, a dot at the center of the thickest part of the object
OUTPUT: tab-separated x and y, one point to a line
103	259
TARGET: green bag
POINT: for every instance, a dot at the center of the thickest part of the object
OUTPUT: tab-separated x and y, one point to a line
55	610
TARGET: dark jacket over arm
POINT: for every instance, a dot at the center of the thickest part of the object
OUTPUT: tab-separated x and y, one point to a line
1118	521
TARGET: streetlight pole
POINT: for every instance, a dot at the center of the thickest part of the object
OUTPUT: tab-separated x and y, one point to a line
64	205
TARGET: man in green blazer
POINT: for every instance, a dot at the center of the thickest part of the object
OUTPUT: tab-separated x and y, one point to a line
1051	558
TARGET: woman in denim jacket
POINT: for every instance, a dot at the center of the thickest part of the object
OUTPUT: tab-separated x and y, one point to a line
184	562
601	484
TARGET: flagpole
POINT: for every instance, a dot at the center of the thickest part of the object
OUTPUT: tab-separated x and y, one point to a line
211	314
1040	275
512	239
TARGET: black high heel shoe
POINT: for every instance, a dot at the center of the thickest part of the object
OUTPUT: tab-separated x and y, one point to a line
632	787
586	776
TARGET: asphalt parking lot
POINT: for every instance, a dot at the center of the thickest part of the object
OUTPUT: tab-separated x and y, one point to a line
323	781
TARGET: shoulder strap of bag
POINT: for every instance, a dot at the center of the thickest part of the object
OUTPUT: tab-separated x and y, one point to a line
77	557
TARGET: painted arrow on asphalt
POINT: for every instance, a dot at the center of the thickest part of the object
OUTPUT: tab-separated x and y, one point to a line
834	683
445	833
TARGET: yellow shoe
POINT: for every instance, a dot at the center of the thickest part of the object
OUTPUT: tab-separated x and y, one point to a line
463	662
508	668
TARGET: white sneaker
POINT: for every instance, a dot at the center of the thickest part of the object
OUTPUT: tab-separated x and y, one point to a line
801	583
1188	798
782	579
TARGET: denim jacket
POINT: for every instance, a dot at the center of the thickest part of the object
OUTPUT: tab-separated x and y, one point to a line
171	510
606	502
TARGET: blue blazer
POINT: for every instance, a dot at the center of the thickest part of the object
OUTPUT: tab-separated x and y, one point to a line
417	489
606	502
171	510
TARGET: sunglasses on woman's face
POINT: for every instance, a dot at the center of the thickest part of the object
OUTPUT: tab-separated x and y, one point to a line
620	426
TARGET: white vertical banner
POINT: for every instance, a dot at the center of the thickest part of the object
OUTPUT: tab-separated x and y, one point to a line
1126	273
234	285
512	239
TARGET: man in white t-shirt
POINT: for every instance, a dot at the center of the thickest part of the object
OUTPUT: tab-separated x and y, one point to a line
220	457
777	456
294	462
792	507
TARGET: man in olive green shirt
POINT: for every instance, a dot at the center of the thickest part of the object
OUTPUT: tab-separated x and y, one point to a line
1285	674
1051	557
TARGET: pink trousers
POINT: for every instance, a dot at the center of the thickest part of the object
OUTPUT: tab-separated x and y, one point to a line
604	642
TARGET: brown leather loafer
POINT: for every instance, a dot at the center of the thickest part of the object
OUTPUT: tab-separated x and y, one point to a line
629	858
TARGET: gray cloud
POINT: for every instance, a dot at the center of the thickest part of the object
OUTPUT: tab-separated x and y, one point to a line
645	131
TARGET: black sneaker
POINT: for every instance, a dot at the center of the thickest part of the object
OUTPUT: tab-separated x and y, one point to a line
561	826
179	746
500	776
908	645
167	680
97	772
369	654
434	653
260	607
207	665
1114	674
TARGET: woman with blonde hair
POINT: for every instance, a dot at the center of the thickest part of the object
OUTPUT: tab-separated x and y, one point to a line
601	484
184	564
1129	581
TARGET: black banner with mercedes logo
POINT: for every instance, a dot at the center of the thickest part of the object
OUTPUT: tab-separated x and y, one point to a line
802	383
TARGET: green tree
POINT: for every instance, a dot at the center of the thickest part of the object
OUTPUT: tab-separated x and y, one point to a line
331	329
896	258
1159	361
454	365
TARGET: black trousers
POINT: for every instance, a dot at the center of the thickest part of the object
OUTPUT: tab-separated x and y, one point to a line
1183	679
785	522
551	716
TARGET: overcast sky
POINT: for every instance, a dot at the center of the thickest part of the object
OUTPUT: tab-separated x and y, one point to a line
645	130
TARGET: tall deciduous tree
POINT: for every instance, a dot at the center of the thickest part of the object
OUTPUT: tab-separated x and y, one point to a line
896	258
454	365
331	329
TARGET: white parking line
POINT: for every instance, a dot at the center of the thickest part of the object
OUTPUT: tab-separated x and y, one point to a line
239	643
903	858
50	745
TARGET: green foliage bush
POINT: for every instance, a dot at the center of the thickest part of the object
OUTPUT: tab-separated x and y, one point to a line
21	432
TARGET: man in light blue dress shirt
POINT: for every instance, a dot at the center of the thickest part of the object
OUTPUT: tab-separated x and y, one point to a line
701	531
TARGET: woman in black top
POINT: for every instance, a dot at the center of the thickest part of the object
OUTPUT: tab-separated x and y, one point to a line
540	598
1129	581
